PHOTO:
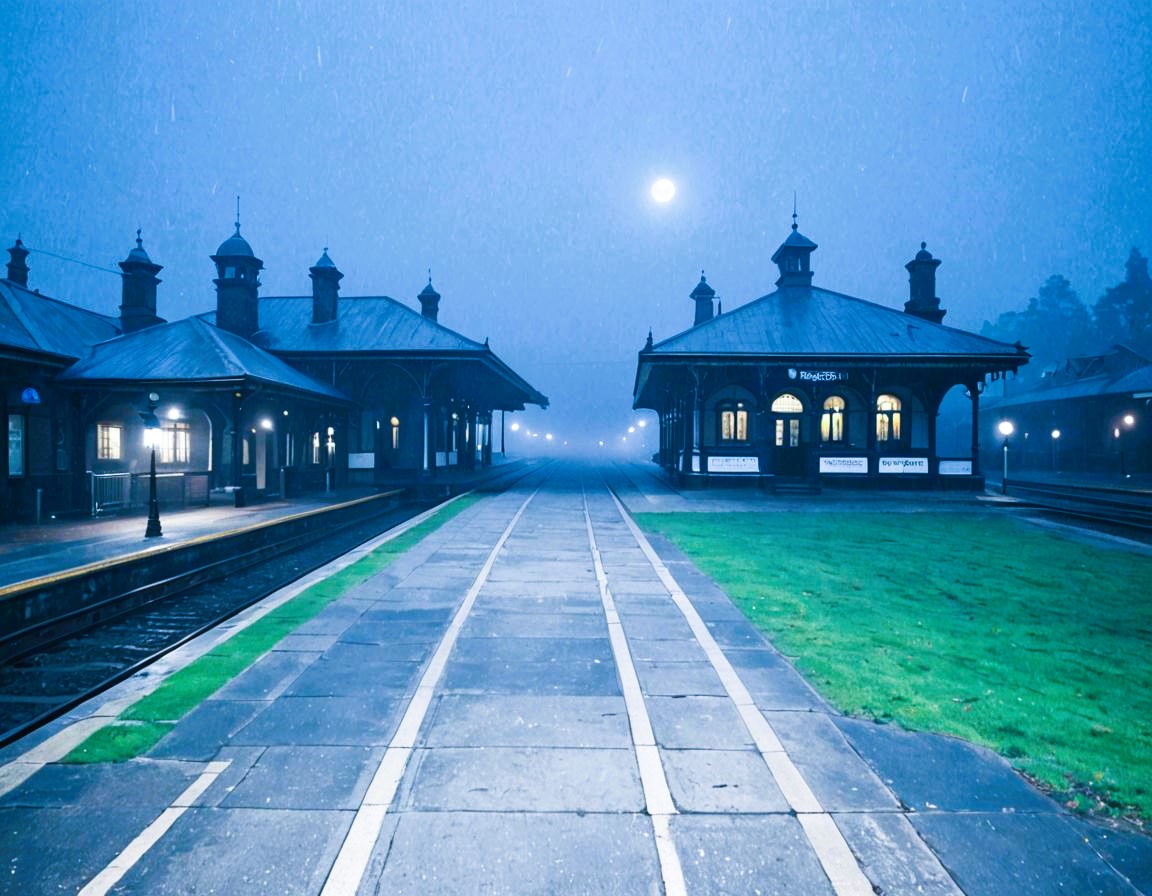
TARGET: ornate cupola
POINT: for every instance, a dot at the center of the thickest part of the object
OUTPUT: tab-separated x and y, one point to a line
922	299
138	290
794	258
702	295
237	285
18	264
429	300
325	289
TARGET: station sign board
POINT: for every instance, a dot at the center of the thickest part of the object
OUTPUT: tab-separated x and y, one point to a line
903	465
721	464
955	468
816	376
843	465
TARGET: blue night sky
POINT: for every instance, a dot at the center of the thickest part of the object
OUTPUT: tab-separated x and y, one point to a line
510	147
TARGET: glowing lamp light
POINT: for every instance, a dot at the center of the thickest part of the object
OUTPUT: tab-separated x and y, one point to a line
515	427
548	436
395	421
266	424
173	413
631	429
643	423
1055	433
1129	420
663	190
1006	428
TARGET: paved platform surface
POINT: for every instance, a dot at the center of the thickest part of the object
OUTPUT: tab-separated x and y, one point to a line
55	546
537	699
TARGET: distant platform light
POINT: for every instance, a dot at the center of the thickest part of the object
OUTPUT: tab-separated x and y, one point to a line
515	427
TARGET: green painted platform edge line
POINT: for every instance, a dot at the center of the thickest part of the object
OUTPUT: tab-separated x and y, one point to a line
971	624
141	726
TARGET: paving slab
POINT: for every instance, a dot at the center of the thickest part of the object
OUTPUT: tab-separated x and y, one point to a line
929	772
520	721
212	850
1018	854
894	856
722	781
207	728
298	777
353	721
519	854
765	854
697	722
522	779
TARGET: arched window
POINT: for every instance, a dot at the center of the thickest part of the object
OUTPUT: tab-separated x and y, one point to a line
832	420
887	418
733	417
787	404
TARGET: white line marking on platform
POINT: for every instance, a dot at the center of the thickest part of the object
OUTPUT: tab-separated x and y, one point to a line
356	851
657	794
146	839
827	842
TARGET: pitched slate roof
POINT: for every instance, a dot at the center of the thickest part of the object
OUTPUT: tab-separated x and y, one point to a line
363	324
794	322
32	323
189	351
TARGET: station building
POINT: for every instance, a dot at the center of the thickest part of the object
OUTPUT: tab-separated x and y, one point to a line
805	387
1088	415
262	396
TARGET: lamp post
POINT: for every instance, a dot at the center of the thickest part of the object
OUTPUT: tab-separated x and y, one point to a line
151	438
1006	429
1129	421
1055	451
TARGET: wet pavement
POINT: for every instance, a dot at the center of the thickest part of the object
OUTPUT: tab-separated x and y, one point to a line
538	699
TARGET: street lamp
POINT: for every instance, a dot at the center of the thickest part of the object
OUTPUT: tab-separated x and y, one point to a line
151	440
1129	421
1055	451
1006	429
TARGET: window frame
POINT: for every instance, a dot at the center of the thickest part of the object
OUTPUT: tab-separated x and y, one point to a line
105	450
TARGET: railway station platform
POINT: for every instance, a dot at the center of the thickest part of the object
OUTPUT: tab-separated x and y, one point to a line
534	698
56	546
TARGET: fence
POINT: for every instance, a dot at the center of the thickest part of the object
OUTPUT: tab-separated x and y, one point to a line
125	491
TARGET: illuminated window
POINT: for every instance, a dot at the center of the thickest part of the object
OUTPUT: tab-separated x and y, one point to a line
316	448
832	420
788	433
15	444
733	422
787	404
175	442
108	441
887	418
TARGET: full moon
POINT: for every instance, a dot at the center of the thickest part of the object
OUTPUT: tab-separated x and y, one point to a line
663	190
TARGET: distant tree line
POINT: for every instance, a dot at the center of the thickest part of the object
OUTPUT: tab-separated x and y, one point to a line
1057	325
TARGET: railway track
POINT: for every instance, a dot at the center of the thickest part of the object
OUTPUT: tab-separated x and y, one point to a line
1122	509
66	661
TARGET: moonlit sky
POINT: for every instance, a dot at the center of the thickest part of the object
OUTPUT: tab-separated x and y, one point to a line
512	148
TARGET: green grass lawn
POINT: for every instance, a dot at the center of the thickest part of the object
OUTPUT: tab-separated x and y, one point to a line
967	623
141	726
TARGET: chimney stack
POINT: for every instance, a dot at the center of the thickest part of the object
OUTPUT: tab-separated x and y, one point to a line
18	266
138	290
429	300
703	295
325	289
922	301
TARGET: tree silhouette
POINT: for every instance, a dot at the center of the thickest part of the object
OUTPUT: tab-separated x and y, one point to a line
1055	326
1124	313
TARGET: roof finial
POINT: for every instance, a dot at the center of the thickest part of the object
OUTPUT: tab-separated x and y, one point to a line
793	209
139	242
237	215
429	276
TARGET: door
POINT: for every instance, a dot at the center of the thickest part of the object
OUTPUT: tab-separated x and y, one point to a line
788	448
